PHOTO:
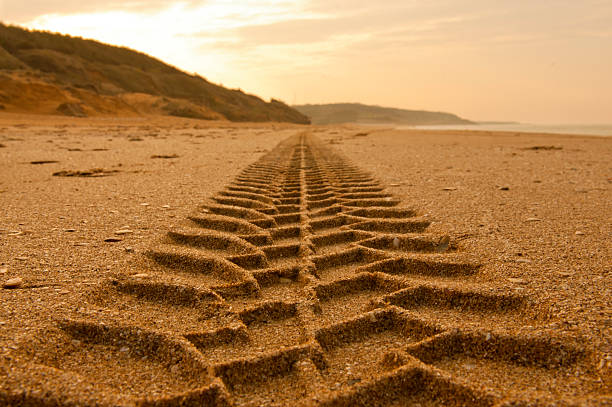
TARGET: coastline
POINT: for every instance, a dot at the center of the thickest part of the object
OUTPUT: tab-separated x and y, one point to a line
557	129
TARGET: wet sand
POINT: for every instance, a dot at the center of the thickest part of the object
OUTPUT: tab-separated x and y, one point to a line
498	279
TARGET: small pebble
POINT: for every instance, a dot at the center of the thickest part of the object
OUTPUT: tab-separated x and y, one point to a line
144	204
396	242
443	243
533	220
123	232
129	249
523	261
124	349
140	275
579	233
516	280
112	239
69	230
449	189
166	206
504	188
22	258
13	283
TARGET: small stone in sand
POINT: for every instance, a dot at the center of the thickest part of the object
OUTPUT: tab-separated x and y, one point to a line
141	275
112	239
69	230
523	261
443	243
21	258
129	249
144	204
449	189
533	220
579	233
516	280
124	349
504	188
396	243
123	232
13	283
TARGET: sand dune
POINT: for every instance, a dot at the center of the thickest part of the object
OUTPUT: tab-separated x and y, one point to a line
48	73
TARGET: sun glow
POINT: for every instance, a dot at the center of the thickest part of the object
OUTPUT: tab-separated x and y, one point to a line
185	35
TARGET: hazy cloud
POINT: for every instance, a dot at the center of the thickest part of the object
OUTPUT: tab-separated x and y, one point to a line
20	11
402	23
370	24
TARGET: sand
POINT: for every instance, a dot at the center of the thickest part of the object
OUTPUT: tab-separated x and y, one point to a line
181	262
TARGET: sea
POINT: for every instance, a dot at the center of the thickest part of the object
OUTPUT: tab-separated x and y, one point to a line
603	130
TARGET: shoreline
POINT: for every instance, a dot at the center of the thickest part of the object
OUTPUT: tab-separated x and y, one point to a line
604	130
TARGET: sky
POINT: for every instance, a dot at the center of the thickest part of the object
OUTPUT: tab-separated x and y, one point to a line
544	61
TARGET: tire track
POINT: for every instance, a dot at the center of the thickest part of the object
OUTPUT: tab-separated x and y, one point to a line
303	281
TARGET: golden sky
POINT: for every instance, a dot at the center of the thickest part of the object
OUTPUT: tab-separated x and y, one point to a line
537	61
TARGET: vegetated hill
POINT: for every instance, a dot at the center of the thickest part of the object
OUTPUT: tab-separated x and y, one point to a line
358	113
92	78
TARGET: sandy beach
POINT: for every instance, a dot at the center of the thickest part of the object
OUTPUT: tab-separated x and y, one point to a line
165	261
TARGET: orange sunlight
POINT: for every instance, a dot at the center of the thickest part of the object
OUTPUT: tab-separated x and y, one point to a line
481	60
